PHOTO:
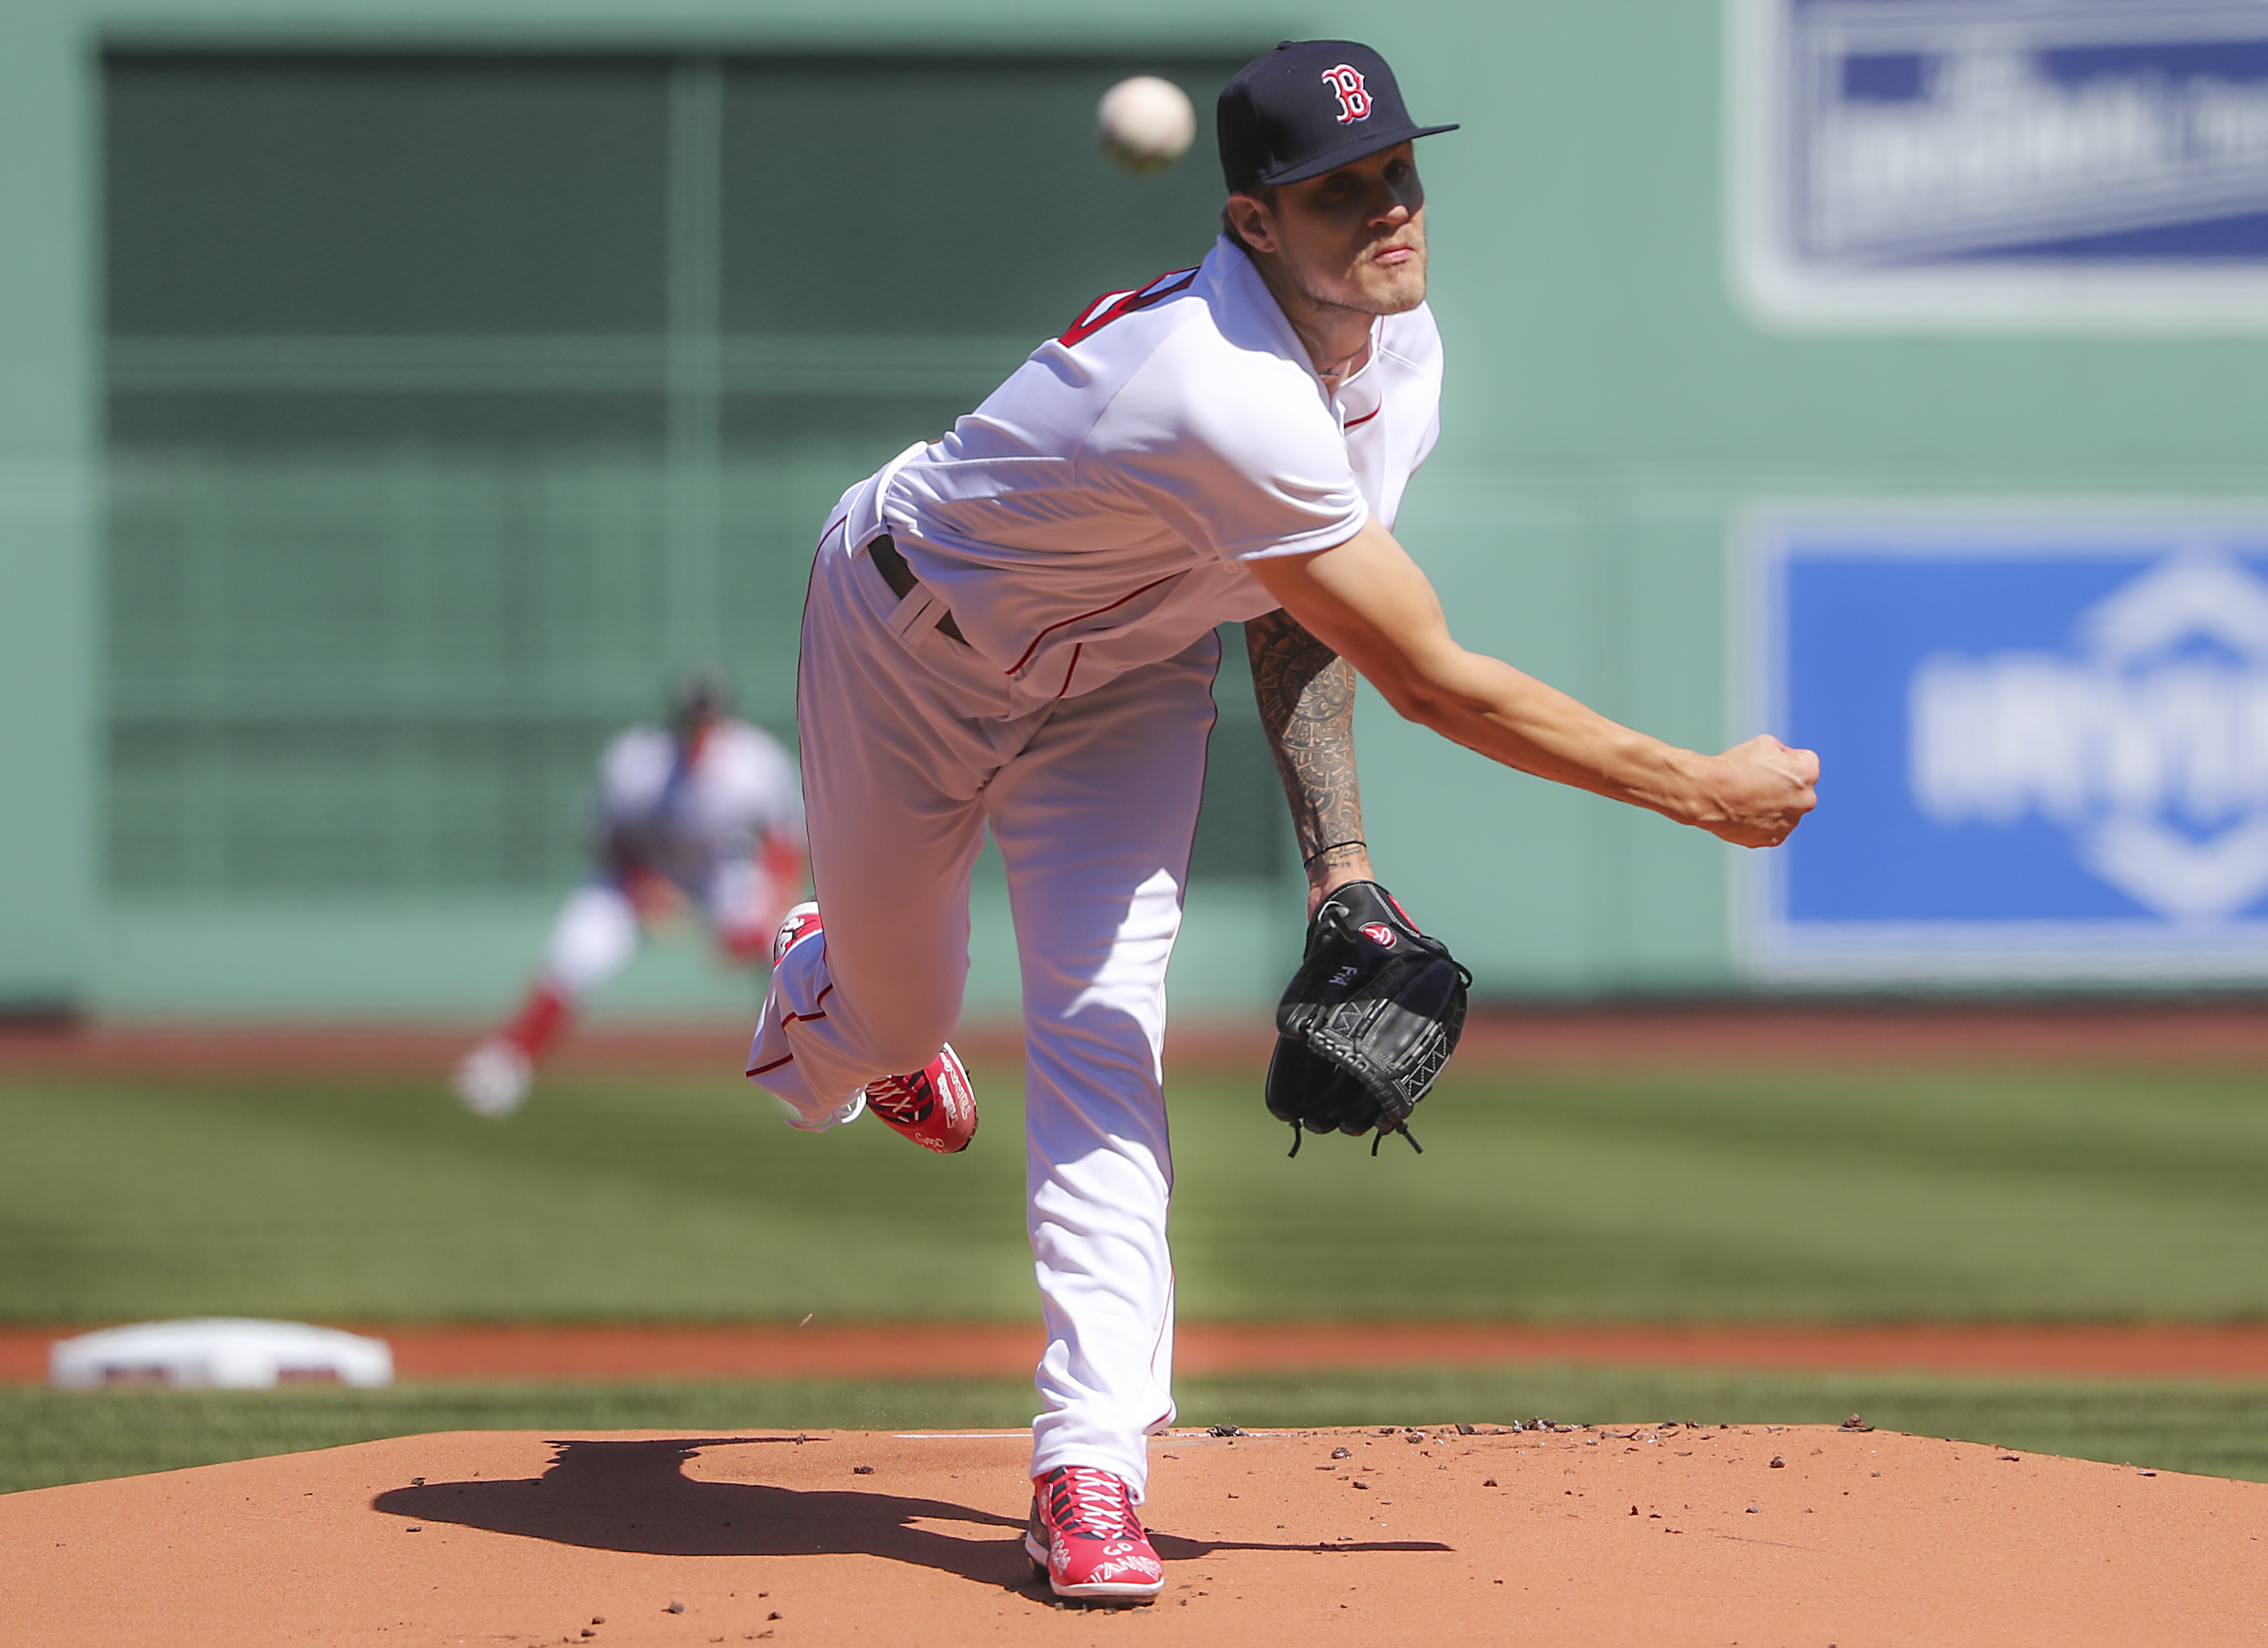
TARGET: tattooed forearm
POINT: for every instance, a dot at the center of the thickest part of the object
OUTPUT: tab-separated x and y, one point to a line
1306	692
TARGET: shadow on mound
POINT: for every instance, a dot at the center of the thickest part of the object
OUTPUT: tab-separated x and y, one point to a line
636	1496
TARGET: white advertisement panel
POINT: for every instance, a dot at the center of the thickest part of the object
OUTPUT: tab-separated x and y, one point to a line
1999	165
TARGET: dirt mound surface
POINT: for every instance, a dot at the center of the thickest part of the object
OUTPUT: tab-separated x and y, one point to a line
1602	1537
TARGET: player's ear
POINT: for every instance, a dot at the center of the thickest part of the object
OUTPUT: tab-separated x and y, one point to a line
1250	222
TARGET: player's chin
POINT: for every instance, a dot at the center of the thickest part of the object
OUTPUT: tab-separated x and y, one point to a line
1394	288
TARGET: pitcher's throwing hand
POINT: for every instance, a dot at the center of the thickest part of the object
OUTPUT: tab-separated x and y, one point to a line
1765	791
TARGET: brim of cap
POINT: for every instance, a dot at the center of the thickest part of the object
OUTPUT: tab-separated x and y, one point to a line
1353	149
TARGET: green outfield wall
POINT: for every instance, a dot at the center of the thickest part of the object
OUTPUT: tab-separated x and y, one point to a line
327	559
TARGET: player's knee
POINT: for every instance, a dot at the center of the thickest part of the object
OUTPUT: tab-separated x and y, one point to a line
903	1054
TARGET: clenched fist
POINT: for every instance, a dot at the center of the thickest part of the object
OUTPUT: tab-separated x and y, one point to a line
1758	792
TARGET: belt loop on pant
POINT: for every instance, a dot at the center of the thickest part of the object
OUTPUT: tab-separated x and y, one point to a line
901	581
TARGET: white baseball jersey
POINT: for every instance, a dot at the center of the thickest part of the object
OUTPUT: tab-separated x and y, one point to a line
687	820
1095	512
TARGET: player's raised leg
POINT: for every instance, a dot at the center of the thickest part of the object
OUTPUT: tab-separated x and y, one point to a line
896	757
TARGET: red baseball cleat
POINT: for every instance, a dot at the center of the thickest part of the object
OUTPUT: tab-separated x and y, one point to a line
934	1106
1086	1537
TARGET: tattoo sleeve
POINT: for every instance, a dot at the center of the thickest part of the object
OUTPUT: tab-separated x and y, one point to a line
1306	692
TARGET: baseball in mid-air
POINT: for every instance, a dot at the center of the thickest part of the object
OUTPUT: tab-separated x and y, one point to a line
1145	123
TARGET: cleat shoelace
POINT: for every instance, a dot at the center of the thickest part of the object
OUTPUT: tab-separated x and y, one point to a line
908	1099
1089	1504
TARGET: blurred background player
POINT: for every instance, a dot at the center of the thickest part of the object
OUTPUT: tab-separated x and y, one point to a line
706	811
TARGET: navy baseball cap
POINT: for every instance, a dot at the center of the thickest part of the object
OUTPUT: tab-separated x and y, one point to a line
1307	108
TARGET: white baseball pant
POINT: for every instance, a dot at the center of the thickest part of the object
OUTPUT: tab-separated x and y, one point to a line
910	749
593	940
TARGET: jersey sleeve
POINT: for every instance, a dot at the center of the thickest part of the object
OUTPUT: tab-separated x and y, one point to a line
1234	452
631	770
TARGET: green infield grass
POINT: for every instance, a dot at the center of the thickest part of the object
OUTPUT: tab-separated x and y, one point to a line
52	1437
1845	1196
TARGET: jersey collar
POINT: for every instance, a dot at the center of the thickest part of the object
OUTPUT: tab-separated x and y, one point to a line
1240	285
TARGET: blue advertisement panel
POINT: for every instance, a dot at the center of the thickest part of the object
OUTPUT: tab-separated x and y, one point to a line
2044	736
2015	162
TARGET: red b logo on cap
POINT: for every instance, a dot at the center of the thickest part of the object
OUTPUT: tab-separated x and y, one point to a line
1354	97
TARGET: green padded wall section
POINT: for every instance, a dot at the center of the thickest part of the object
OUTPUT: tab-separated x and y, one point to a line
637	360
456	403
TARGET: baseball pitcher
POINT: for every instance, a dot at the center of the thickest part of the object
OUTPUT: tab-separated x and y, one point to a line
1012	627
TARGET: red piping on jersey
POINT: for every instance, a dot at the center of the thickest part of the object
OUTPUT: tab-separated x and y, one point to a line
1018	666
1075	651
759	1070
1111	306
845	516
807	1018
1364	418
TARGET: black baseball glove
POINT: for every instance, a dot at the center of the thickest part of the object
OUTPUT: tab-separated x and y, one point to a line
1368	1021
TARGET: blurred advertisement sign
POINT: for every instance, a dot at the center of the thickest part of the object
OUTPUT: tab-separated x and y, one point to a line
2045	740
2001	164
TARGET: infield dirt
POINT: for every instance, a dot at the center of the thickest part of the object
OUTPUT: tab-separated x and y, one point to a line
1610	1535
2079	1034
863	1350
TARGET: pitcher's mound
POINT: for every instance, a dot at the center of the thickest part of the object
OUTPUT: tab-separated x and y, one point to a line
1652	1536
